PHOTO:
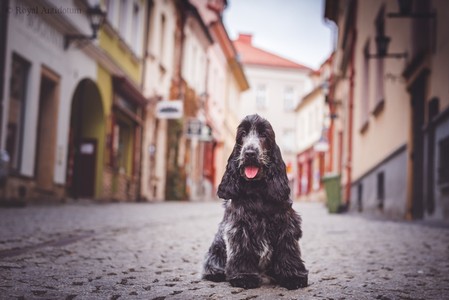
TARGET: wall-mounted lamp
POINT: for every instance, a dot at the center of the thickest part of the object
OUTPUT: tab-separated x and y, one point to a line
322	145
325	89
405	11
333	101
382	43
96	18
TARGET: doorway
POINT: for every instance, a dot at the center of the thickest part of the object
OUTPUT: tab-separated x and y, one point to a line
46	130
418	93
86	142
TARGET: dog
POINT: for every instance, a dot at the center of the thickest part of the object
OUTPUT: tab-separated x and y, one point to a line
259	233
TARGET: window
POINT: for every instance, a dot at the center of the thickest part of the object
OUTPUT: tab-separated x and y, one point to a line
443	162
17	95
135	28
360	197
301	134
110	10
288	140
380	190
192	64
434	108
364	109
123	18
122	147
380	92
311	126
318	119
289	100
261	97
162	40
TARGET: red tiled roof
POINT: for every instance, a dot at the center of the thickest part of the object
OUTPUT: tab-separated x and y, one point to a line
250	55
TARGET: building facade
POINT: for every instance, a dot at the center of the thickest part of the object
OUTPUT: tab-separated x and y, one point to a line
313	129
276	84
161	73
72	107
225	82
395	105
40	79
80	117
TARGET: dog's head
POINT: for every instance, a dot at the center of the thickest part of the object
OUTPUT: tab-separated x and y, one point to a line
255	158
255	139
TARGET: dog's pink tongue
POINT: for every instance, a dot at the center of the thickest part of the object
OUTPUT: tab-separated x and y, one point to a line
251	172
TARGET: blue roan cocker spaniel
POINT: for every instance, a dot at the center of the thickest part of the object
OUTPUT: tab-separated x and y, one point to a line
260	230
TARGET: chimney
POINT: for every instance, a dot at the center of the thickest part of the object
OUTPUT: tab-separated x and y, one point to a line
246	38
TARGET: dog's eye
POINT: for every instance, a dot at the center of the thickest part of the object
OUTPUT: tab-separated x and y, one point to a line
241	135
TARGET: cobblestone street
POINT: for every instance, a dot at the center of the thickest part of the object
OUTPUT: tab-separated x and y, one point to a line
155	251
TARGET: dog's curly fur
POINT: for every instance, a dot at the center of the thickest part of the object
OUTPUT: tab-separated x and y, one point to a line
260	230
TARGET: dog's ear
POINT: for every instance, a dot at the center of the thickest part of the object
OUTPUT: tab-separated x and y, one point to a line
229	186
277	181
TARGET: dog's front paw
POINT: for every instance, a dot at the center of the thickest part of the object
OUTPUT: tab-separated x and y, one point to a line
216	277
294	282
246	281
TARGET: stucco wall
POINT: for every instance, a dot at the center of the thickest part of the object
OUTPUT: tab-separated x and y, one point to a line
42	45
395	178
389	129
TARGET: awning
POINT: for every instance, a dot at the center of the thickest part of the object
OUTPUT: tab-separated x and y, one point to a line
128	89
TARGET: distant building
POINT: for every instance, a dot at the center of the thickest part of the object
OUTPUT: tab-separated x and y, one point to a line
120	84
41	78
276	84
394	105
225	81
160	74
72	112
313	125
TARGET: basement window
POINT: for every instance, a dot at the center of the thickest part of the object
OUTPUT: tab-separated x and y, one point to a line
443	163
380	190
360	197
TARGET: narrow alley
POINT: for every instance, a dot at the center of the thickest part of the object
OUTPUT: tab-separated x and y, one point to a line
155	251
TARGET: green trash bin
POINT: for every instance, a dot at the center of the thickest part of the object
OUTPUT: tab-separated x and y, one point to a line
332	186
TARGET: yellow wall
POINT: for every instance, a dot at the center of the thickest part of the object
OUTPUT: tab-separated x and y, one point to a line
124	58
105	86
389	130
104	82
94	118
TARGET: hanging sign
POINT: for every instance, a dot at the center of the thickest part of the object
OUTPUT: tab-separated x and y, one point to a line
169	109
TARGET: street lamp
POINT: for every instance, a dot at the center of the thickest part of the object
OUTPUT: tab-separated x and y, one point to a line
322	145
405	11
382	42
96	18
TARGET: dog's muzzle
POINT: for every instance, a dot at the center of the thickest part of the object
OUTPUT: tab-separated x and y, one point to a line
251	167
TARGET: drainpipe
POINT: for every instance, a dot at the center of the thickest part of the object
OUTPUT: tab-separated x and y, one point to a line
145	114
351	116
3	39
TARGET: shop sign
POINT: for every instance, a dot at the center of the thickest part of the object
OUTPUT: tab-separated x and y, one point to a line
169	109
198	130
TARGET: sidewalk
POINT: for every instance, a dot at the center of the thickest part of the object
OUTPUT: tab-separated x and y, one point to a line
155	251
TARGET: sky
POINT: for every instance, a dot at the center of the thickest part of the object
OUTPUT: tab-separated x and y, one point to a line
294	29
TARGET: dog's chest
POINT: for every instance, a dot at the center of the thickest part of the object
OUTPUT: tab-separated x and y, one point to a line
254	238
265	253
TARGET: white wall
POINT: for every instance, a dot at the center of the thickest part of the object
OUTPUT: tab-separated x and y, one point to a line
195	56
275	80
127	22
42	45
310	122
158	77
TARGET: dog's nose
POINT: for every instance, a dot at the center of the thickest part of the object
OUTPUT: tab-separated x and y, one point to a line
250	153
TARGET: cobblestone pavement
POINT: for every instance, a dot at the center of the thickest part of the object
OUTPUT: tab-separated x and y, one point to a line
155	251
